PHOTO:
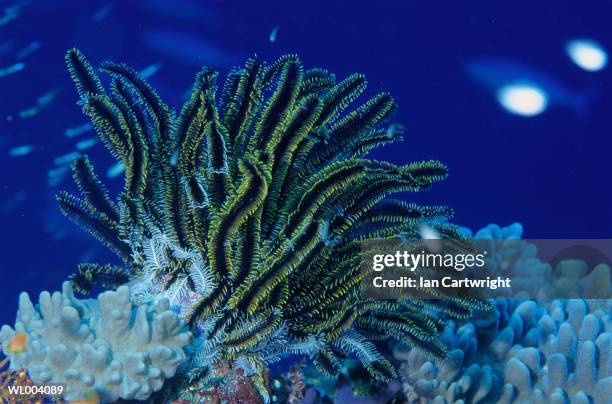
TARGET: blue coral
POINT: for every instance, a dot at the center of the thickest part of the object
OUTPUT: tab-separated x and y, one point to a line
107	345
523	350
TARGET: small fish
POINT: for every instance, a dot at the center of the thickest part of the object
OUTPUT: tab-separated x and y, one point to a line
10	14
86	143
150	70
12	69
499	74
41	102
273	34
18	344
28	50
29	112
524	99
57	171
22	150
102	13
91	397
56	175
115	170
66	158
587	54
47	98
78	130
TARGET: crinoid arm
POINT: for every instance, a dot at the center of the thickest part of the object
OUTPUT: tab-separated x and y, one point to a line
248	211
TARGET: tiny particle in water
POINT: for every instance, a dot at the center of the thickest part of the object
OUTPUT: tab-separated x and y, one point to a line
523	99
115	170
587	54
273	34
12	69
21	150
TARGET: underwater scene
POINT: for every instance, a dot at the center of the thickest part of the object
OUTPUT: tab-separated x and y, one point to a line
359	202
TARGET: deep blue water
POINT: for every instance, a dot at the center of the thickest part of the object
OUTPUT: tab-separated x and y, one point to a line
550	172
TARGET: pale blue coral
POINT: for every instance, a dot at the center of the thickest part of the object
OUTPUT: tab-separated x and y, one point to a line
107	345
556	351
521	353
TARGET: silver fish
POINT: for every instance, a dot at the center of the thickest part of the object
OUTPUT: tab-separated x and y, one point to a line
28	50
495	74
12	69
273	34
22	150
78	130
150	70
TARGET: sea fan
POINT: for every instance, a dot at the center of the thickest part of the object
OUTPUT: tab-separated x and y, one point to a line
249	212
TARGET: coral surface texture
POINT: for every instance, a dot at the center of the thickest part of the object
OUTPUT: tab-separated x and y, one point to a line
106	345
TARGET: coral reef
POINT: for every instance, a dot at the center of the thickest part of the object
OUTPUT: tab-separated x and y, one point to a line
248	212
522	351
106	345
290	387
10	377
521	354
297	384
509	255
230	385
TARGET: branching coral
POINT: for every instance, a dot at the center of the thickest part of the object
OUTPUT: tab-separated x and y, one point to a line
105	345
247	212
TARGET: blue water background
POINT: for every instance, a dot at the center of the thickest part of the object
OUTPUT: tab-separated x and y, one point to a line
550	172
